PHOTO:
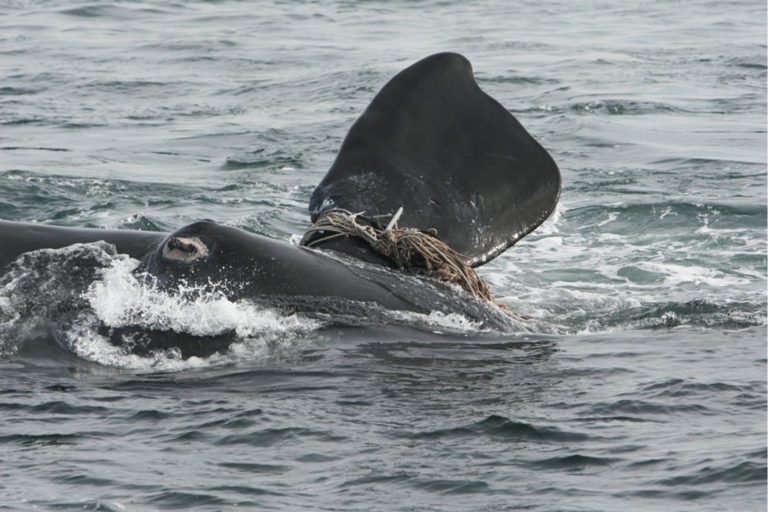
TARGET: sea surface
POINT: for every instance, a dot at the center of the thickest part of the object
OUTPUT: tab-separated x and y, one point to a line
639	383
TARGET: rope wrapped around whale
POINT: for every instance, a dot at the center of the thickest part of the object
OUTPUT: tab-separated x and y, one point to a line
410	248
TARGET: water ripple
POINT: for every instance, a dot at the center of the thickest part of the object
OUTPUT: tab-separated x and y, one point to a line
499	428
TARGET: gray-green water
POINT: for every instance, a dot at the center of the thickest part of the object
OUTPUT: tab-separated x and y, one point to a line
642	382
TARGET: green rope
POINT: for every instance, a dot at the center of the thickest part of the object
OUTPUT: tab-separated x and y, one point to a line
409	248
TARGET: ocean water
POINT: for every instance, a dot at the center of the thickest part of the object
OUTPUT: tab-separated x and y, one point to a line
639	383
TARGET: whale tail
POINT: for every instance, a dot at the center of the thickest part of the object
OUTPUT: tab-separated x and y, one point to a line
456	161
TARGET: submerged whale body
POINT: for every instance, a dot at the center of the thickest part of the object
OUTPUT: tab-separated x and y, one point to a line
431	144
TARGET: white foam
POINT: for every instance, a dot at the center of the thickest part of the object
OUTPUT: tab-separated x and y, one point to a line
677	274
612	216
551	224
446	322
667	211
121	299
86	343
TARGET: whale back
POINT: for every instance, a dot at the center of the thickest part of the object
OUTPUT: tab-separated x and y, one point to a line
456	160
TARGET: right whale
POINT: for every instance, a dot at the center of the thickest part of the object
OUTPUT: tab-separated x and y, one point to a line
431	145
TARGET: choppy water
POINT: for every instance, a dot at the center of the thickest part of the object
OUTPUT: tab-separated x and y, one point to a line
641	382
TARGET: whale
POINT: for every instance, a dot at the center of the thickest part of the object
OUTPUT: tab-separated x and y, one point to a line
432	152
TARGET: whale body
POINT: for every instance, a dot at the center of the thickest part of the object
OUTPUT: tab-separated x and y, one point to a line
431	144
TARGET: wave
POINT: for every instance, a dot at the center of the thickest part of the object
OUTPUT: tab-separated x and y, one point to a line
698	312
110	10
501	429
694	313
613	107
740	473
575	462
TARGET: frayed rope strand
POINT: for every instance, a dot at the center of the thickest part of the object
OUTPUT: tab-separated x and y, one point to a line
410	248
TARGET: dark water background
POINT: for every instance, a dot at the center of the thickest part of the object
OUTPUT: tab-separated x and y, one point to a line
641	382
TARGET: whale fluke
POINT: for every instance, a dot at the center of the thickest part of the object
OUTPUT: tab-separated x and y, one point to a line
456	160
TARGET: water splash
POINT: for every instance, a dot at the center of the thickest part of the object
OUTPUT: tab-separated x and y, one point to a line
81	293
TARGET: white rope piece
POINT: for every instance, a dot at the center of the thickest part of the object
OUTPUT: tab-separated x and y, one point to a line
395	218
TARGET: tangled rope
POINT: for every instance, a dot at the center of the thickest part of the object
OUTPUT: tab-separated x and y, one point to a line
409	248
